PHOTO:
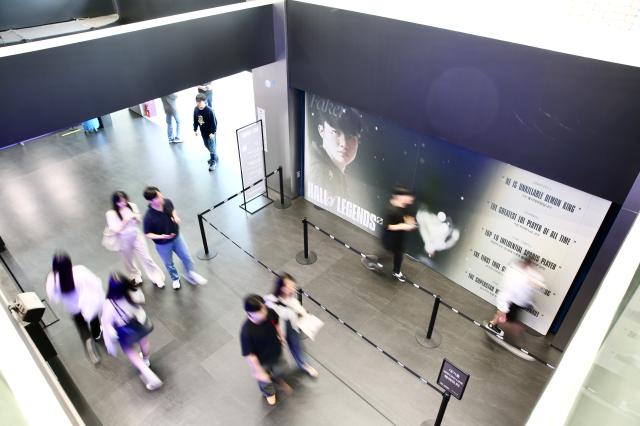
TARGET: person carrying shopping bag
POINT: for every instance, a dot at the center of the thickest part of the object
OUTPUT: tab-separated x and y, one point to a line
125	322
292	314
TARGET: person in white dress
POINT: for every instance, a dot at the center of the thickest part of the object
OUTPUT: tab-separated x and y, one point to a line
121	308
123	220
81	294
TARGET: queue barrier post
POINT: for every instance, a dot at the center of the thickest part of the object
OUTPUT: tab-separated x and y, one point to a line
306	257
204	254
284	203
446	396
433	338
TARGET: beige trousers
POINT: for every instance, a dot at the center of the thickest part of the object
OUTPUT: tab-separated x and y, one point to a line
135	244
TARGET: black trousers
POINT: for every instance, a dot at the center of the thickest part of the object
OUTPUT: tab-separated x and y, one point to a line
87	330
394	244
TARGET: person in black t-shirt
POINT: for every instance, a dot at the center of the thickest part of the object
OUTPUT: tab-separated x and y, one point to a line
162	225
205	119
261	340
397	222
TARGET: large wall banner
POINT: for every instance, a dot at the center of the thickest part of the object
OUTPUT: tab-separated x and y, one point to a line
476	214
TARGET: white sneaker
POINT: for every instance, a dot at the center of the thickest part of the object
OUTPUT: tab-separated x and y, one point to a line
160	284
145	359
195	278
176	284
151	383
400	277
92	351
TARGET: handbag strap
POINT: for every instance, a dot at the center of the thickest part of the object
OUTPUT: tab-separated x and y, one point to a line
120	311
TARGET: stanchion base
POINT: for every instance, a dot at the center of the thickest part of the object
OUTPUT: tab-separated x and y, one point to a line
434	342
206	256
306	261
286	205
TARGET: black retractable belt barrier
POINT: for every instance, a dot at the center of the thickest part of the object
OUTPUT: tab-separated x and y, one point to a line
284	203
429	340
445	395
205	254
433	338
305	257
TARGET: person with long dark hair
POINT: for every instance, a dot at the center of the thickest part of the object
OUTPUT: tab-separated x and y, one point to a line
284	302
125	322
122	221
81	294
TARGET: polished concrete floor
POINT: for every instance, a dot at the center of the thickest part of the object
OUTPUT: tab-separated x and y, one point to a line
54	194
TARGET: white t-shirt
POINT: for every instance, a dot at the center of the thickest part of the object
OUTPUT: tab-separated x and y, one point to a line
518	287
87	298
115	223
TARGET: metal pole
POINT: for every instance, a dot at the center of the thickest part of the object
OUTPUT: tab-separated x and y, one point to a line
203	235
443	407
305	233
204	255
281	181
306	257
434	314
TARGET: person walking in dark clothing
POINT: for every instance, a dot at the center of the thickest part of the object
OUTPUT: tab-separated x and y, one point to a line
261	340
397	222
171	112
161	224
205	118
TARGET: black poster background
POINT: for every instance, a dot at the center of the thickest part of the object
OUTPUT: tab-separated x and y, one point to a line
495	211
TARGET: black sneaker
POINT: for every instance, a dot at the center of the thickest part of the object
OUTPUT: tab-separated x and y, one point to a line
494	328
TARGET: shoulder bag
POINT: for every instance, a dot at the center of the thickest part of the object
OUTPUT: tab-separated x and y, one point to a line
133	330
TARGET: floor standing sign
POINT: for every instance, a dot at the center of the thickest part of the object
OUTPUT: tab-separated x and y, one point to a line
252	167
452	379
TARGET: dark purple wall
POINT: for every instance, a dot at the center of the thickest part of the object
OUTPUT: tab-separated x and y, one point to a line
50	89
568	118
31	13
140	10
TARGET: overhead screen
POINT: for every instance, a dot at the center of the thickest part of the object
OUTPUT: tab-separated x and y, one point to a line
476	214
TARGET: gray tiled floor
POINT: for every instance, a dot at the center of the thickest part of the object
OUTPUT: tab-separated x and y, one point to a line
56	192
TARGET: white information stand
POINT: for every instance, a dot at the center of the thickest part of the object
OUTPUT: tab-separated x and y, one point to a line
252	167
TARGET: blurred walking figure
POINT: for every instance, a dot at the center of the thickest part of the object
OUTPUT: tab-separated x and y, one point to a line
521	281
205	119
125	322
81	294
207	91
261	340
171	112
284	302
397	222
122	221
162	225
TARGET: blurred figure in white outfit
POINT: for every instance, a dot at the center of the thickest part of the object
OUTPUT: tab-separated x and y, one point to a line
123	221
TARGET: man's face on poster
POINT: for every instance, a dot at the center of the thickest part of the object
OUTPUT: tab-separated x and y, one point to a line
339	146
